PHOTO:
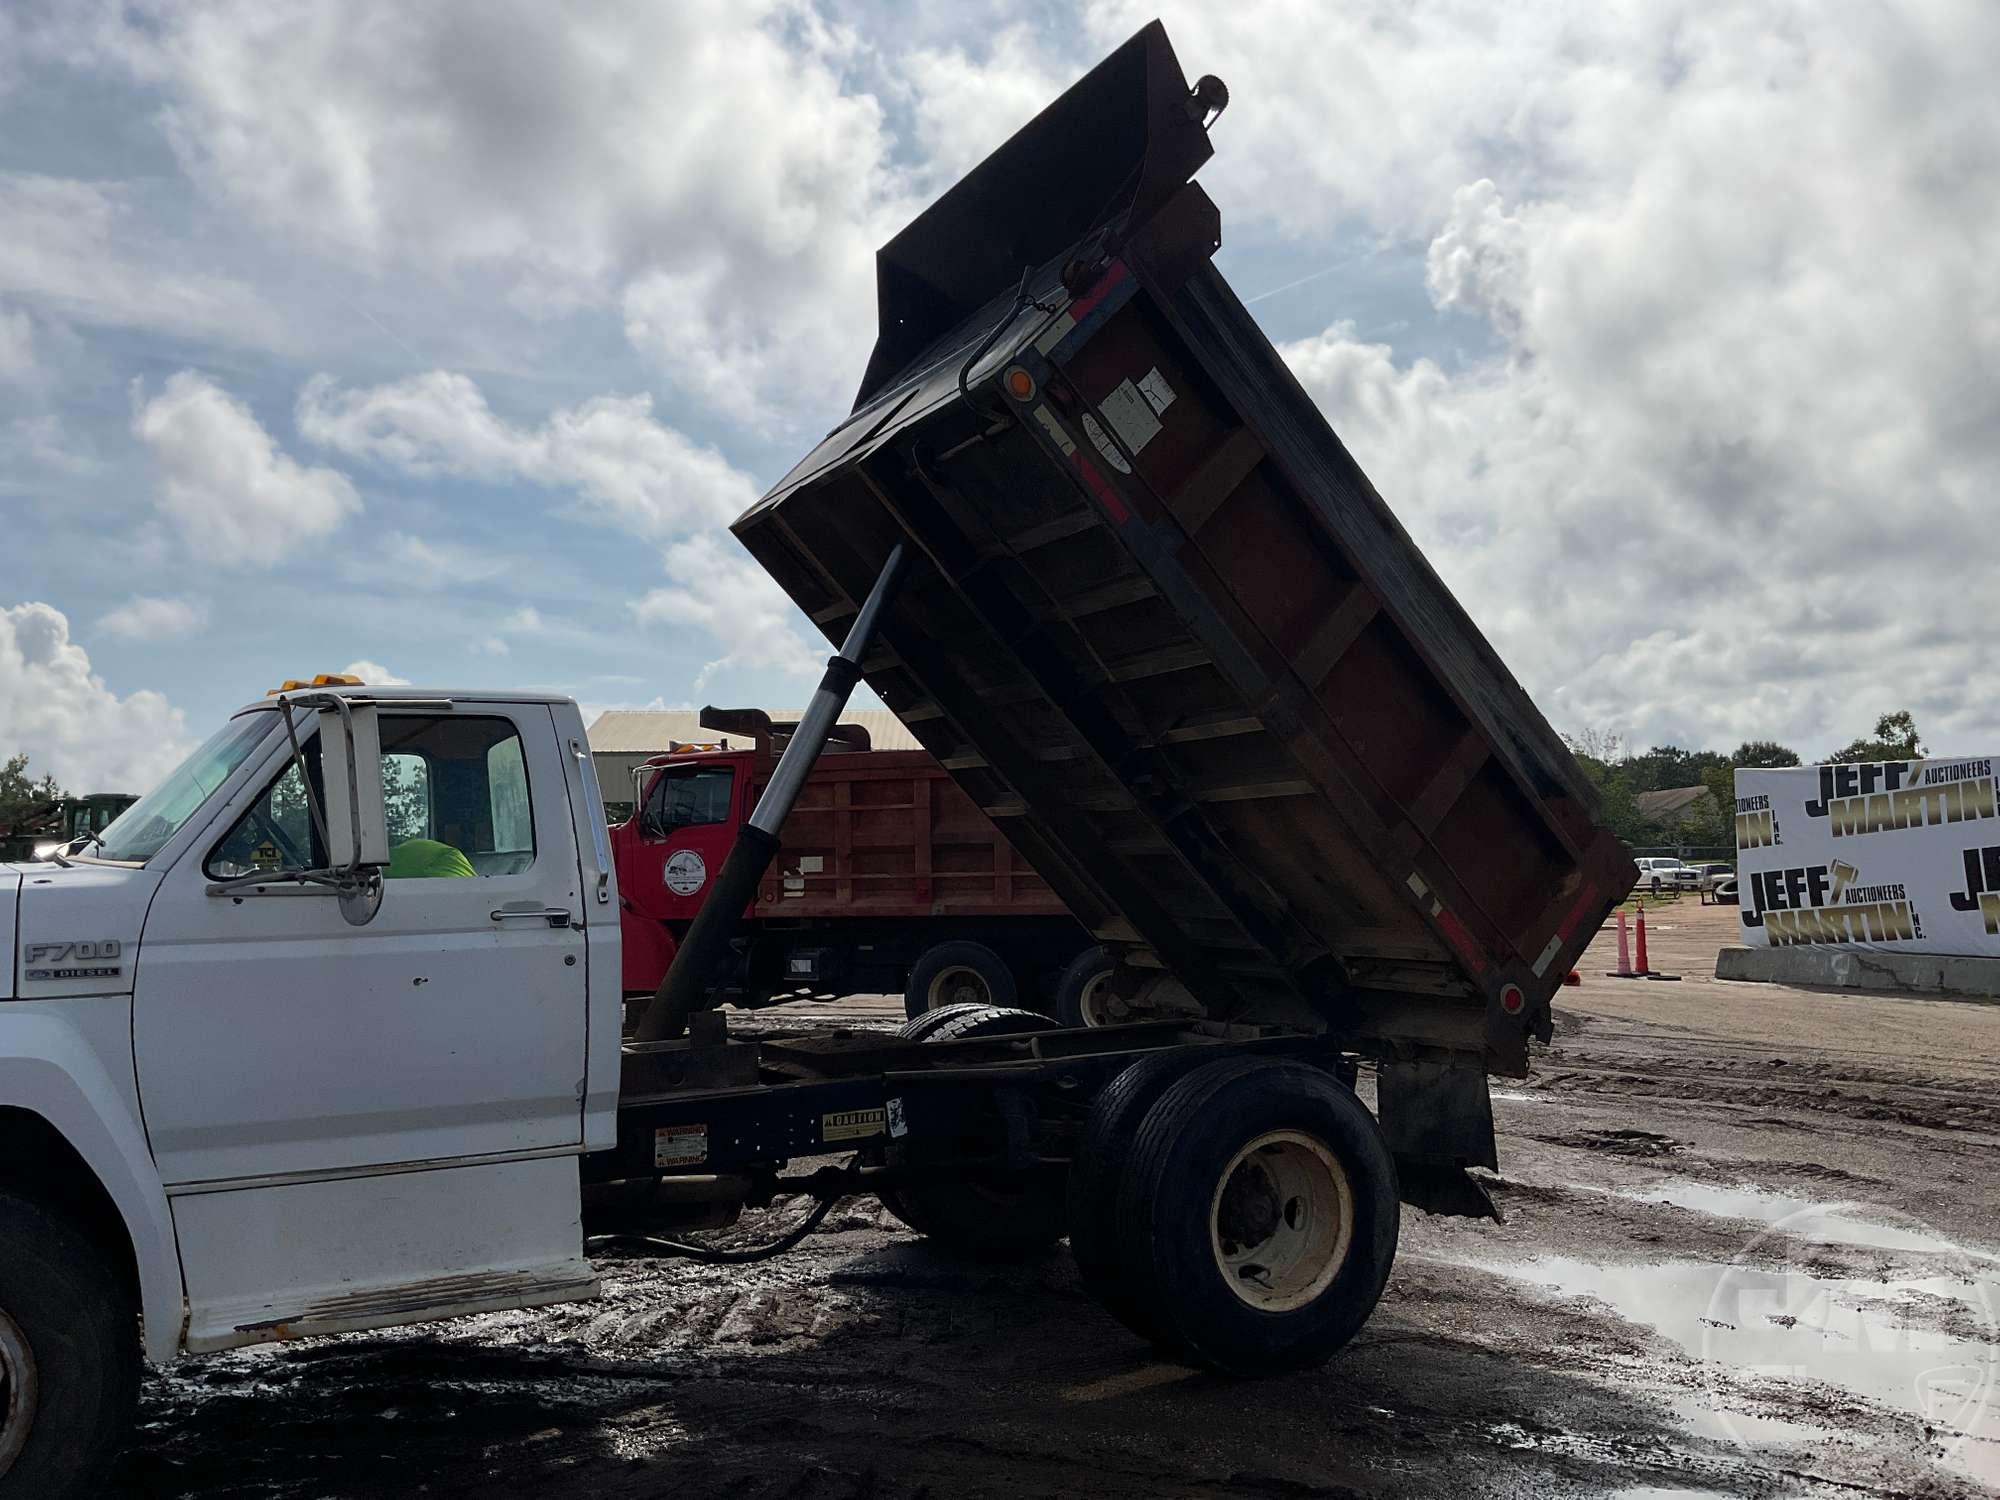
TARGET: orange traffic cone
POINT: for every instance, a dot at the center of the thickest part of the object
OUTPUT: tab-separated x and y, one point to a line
1642	966
1624	969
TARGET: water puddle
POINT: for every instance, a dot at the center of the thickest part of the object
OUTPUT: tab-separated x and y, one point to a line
1883	1341
1822	1223
1514	1096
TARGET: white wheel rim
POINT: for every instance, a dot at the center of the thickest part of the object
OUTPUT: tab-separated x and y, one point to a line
17	1391
1093	1001
1281	1221
958	984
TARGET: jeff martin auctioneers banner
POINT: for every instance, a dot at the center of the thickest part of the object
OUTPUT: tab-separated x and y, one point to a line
1901	855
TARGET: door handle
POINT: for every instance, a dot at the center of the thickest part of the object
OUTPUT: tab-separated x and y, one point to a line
555	916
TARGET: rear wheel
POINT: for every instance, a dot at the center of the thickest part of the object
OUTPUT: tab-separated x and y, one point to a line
990	1214
1083	994
69	1357
1094	1176
958	973
1259	1213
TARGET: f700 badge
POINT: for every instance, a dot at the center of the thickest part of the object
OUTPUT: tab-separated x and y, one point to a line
96	960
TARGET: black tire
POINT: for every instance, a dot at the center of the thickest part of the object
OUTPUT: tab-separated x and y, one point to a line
981	1215
1656	886
1174	1214
958	973
918	1027
68	1315
1077	1002
1094	1176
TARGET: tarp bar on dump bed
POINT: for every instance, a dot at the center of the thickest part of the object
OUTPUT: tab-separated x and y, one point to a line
1126	137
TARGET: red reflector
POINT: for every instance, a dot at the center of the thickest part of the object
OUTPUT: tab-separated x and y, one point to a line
1511	999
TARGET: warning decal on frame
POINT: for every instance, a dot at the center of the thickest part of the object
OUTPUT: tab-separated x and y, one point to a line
680	1145
1107	449
1131	415
851	1124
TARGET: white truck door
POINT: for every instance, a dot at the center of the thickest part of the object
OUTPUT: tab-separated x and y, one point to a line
274	1038
359	1125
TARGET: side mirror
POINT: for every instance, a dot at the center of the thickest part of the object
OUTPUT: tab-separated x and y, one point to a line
357	824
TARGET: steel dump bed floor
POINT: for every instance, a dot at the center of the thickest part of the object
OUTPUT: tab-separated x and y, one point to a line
1165	633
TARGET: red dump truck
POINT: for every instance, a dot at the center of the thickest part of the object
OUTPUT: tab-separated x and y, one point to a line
889	878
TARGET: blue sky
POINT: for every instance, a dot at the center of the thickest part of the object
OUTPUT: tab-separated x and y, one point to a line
447	338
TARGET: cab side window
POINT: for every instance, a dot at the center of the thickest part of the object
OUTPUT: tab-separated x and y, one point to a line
456	790
686	798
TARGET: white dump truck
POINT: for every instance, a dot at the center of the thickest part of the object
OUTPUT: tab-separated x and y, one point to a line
324	1032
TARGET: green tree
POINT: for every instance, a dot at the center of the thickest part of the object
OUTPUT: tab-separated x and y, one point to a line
1895	738
1666	766
406	797
1764	753
19	791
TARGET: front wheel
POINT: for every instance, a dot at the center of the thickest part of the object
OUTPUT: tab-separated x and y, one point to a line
1258	1216
69	1358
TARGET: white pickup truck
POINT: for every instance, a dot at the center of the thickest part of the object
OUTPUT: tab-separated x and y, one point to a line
241	1103
323	1034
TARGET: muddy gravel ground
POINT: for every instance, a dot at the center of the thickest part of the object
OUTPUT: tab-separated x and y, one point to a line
1751	1248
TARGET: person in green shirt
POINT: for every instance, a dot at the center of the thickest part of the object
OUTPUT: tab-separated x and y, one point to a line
426	859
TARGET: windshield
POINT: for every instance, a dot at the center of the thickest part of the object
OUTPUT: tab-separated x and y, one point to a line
138	832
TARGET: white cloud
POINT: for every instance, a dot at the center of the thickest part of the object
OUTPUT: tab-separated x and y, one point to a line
233	494
705	164
609	452
430	562
60	712
374	674
17	347
965	105
1735	456
492	645
81	246
720	589
144	618
527	620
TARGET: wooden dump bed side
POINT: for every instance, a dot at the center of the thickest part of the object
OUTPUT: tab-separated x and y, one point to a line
888	833
1164	633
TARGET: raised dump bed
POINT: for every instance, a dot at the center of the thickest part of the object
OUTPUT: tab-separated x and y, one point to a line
1161	627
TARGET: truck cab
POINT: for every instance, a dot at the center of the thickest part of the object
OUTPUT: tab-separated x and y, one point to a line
224	1069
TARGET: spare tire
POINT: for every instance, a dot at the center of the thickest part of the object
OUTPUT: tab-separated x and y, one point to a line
958	973
985	1215
917	1028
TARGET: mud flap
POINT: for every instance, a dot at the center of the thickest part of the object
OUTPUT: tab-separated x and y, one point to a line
1437	1117
1439	1188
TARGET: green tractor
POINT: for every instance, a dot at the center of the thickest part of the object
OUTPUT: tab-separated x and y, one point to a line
35	831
